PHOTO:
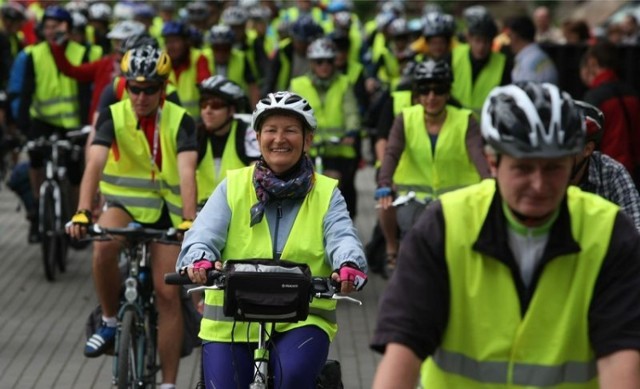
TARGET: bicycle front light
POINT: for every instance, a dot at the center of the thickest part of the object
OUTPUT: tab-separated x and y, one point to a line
130	289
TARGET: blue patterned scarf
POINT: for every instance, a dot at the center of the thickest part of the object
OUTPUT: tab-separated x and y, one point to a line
269	187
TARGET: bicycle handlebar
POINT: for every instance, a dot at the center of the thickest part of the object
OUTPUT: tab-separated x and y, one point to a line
321	287
134	233
60	141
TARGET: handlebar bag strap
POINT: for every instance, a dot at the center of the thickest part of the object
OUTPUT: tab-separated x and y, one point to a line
267	290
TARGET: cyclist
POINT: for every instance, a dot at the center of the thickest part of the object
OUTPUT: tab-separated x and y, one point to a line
337	115
100	72
278	208
598	173
477	69
522	280
50	102
437	39
450	134
189	66
224	142
144	157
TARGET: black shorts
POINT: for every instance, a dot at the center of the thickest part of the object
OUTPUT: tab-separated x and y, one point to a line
74	164
163	223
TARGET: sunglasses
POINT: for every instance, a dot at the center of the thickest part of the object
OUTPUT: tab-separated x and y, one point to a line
213	104
323	61
436	89
150	90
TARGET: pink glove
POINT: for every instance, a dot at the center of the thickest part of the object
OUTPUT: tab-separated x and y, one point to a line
203	264
353	274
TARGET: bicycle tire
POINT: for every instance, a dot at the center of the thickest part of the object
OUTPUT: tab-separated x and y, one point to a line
50	240
151	349
63	239
127	351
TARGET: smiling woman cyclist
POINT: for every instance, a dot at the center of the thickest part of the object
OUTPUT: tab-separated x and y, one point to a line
264	211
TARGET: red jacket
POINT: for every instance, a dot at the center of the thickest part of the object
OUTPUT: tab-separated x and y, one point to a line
99	72
621	108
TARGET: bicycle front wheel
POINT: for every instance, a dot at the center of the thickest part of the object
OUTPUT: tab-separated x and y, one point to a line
128	352
50	242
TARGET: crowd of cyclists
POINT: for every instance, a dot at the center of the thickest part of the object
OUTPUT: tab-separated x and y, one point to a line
181	96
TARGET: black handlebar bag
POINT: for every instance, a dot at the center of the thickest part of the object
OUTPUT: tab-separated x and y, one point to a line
267	291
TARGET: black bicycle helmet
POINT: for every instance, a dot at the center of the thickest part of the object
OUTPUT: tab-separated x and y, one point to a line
593	120
221	34
480	22
222	87
532	120
432	71
13	11
146	63
284	101
438	24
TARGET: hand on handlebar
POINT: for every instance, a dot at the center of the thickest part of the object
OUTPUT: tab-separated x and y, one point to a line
350	277
77	227
197	272
384	196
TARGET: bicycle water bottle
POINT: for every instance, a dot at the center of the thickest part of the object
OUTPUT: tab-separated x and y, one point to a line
144	279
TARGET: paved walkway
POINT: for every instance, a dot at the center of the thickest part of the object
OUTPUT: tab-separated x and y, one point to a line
42	324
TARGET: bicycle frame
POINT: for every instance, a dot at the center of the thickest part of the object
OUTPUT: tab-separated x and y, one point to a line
322	288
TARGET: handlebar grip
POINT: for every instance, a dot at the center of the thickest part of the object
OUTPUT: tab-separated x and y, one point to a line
177	279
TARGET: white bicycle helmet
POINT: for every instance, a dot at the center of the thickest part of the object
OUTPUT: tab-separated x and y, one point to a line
234	16
532	120
321	48
222	87
284	101
125	29
100	11
221	34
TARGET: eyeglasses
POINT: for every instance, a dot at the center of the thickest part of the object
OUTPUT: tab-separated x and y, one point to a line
213	104
150	90
438	90
323	61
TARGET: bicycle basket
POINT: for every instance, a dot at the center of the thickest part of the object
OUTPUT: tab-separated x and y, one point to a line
268	291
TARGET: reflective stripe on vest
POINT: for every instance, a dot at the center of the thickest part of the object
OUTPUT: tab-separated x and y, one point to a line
255	242
472	94
55	99
523	374
206	175
449	169
129	177
187	85
488	341
328	112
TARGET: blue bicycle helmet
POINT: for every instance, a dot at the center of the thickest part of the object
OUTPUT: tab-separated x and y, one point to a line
173	28
306	29
57	13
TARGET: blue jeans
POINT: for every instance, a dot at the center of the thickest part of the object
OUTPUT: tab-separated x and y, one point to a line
296	359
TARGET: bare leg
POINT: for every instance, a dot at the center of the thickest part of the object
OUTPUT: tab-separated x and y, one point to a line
106	275
170	324
389	227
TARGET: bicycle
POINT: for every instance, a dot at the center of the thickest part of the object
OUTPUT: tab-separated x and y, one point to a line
266	276
54	207
134	364
318	151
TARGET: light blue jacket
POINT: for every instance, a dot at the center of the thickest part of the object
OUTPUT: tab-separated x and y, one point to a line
208	235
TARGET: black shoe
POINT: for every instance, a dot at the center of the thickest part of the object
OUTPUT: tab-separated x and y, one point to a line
34	235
